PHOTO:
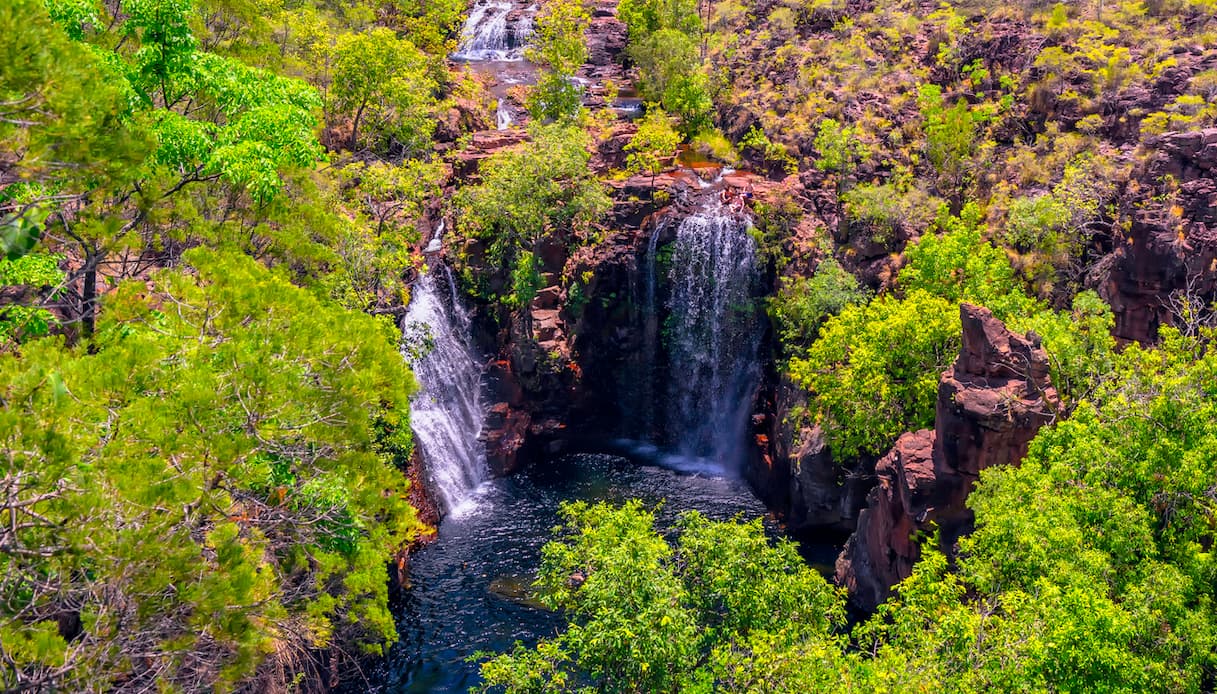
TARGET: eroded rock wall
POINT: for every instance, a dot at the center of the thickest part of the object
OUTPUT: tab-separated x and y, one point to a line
991	403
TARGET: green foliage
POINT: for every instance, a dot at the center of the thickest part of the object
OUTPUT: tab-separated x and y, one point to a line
884	212
376	259
1056	225
670	73
645	17
558	46
220	462
432	25
803	304
873	373
37	271
383	82
839	147
650	616
663	43
531	194
770	151
1089	570
950	133
654	144
959	265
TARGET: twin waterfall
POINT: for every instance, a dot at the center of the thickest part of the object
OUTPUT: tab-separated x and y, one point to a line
447	412
699	383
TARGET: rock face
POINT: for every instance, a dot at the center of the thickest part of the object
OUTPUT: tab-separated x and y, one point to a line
991	403
1170	252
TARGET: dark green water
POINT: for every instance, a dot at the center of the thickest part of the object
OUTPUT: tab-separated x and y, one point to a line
466	587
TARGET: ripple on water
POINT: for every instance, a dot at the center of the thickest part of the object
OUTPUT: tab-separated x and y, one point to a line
466	587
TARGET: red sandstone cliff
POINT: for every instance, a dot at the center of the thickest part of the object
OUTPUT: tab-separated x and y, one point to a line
991	403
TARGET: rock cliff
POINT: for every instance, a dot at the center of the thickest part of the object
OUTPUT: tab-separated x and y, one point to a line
1169	254
991	403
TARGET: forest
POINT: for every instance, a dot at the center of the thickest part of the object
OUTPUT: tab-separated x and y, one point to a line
885	325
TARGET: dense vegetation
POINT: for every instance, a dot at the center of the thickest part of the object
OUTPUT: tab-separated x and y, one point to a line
999	161
204	408
210	216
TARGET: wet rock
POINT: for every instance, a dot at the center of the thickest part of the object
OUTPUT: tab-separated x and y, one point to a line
504	434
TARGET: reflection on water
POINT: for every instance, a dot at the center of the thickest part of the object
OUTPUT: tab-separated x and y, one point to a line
469	588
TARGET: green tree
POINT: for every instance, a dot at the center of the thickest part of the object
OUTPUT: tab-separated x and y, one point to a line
212	121
653	145
839	147
530	194
432	25
384	82
873	373
950	138
671	74
558	46
803	304
208	494
651	616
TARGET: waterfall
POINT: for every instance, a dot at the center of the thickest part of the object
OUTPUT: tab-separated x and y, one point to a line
503	117
447	412
713	336
489	36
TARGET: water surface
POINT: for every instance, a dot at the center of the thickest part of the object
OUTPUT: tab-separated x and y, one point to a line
466	593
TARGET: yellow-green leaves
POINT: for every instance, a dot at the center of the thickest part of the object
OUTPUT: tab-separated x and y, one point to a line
213	483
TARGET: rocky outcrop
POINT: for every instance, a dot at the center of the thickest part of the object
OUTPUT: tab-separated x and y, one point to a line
1169	254
991	403
817	497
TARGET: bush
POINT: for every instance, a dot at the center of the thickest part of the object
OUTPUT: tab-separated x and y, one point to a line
873	373
803	304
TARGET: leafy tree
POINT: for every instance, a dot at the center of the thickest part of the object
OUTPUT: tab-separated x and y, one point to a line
63	125
211	121
803	304
671	74
951	137
645	17
530	194
558	46
653	145
873	373
839	147
24	278
650	616
383	81
1089	569
208	494
432	25
377	259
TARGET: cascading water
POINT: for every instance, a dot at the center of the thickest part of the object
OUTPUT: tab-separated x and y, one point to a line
447	412
713	336
488	35
503	119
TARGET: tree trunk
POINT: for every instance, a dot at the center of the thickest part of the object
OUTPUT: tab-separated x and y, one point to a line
88	294
355	126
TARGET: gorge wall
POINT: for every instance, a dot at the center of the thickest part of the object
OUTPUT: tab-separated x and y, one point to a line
991	403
